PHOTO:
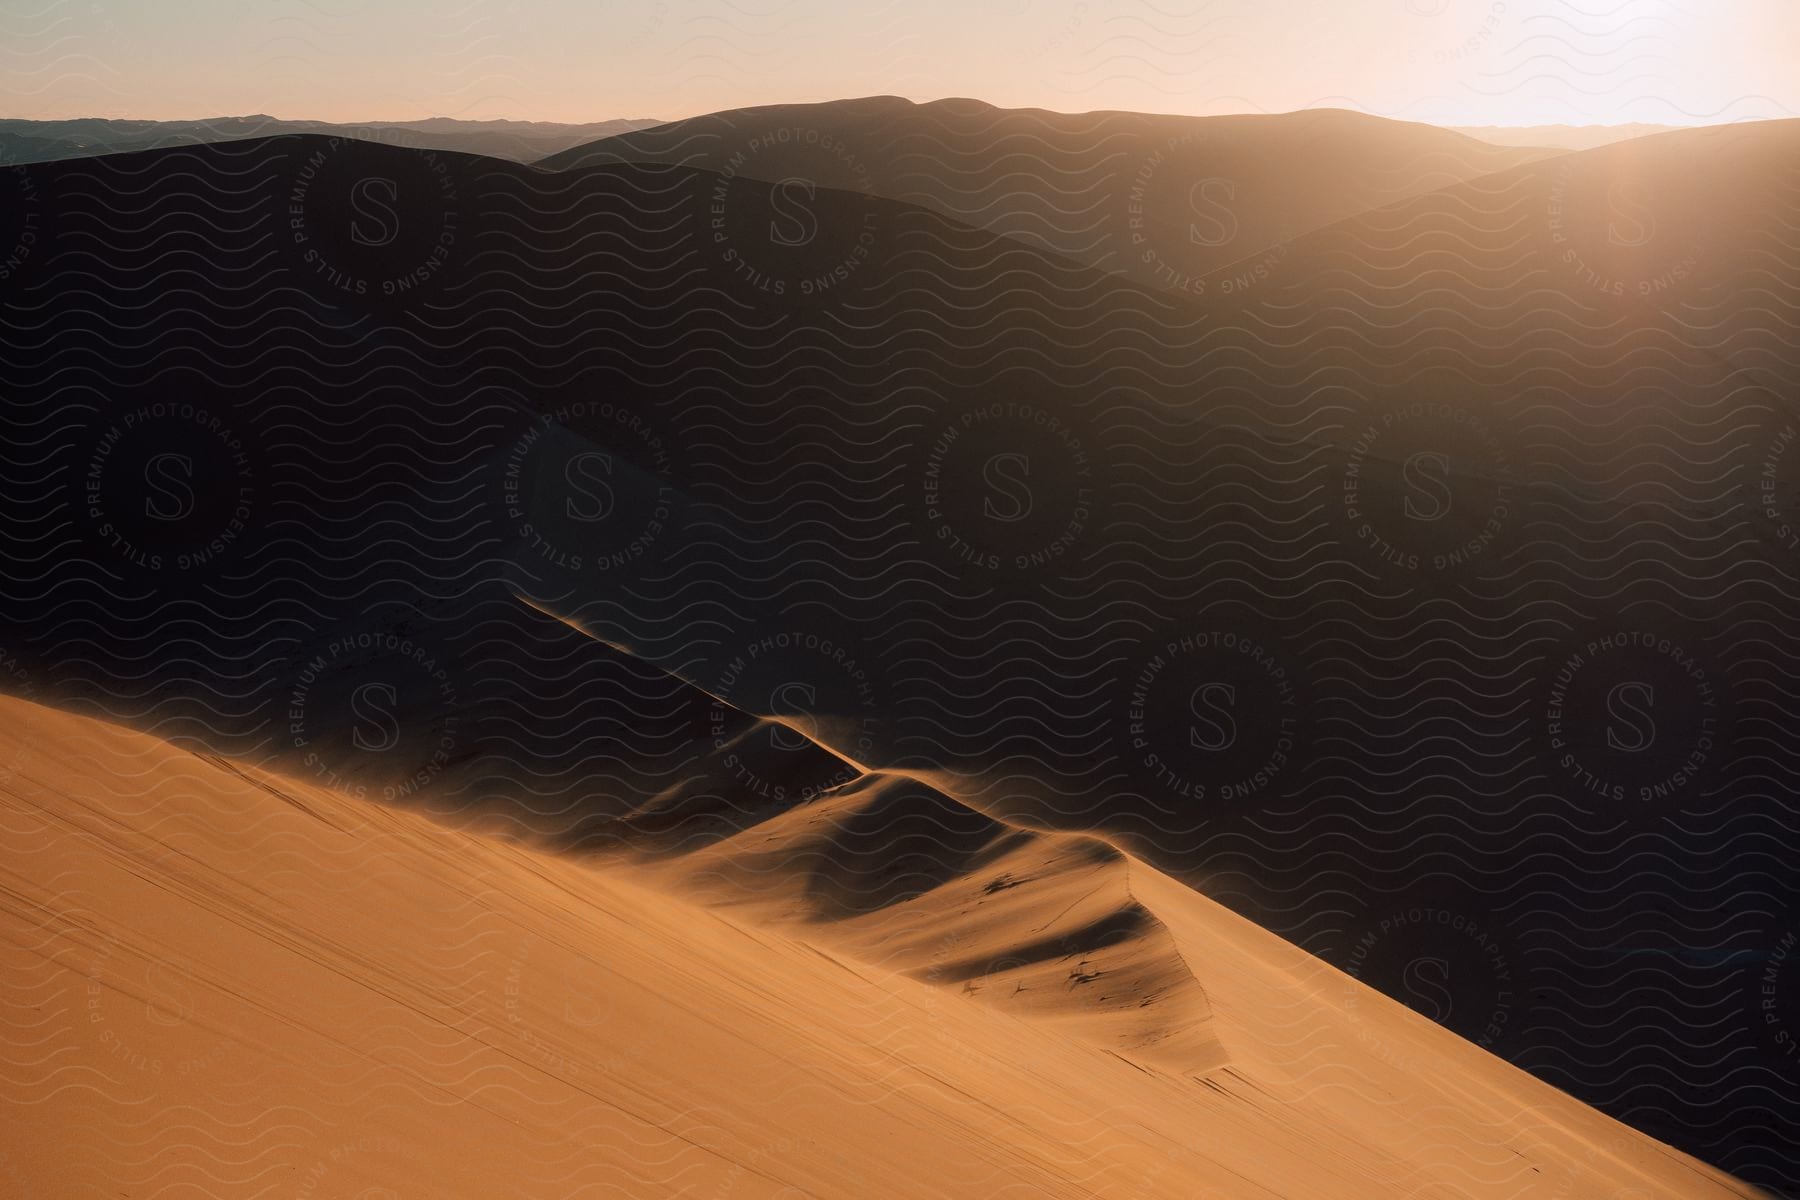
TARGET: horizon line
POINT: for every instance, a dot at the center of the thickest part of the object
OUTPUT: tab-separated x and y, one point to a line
372	121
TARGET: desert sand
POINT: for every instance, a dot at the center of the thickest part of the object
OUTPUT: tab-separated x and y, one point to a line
223	982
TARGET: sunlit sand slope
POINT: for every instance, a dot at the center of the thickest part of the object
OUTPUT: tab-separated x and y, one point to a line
225	983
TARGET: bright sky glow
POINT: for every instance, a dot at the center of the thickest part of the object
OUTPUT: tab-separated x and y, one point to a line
1512	62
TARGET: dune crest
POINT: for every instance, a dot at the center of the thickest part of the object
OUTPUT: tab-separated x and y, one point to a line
287	991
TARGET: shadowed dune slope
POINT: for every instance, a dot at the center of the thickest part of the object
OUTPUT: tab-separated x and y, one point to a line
1312	591
766	819
230	982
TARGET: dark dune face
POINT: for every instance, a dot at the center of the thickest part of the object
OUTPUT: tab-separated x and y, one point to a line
1423	594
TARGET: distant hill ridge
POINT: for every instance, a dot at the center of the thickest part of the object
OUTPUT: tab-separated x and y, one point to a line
24	141
1164	200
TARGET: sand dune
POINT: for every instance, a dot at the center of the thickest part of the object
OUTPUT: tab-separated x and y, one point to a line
569	385
1562	137
1163	200
227	982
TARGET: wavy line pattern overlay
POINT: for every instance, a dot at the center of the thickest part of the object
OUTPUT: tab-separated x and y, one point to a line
876	519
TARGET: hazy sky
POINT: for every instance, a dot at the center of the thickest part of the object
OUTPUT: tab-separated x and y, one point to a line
1512	62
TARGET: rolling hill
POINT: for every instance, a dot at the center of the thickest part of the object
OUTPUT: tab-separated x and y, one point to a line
25	141
1166	201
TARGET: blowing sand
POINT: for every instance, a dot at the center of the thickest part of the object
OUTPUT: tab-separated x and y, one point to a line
225	983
